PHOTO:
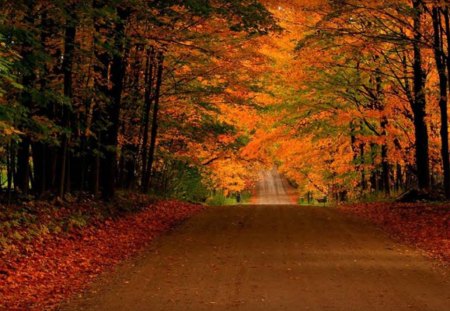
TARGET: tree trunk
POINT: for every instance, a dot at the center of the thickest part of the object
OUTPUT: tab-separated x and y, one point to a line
385	167
146	115
398	178
22	178
69	47
109	166
154	131
440	64
362	168
419	104
11	156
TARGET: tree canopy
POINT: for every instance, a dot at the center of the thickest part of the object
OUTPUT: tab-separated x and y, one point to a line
186	98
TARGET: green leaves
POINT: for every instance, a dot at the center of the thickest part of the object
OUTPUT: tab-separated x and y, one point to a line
199	7
252	16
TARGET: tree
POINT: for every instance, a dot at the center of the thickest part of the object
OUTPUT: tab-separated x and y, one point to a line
94	85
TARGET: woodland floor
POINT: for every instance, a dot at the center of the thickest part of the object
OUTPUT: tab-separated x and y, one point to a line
49	253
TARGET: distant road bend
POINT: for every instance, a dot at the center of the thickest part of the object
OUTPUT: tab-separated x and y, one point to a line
272	257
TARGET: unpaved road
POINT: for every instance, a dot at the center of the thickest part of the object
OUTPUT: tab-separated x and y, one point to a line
270	258
271	189
273	258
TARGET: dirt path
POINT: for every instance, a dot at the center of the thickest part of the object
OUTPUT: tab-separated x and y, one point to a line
273	258
272	189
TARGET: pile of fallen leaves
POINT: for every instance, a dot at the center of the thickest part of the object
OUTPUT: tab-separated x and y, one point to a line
43	270
423	225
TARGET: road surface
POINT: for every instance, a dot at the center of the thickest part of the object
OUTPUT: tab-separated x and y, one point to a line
271	189
272	257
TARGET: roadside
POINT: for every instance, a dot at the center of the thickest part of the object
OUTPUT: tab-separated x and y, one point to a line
422	225
50	253
291	191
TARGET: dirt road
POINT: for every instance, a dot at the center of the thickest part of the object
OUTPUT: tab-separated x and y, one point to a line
271	189
258	258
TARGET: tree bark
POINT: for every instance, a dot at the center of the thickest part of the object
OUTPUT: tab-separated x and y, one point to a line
146	115
385	167
154	130
440	64
69	47
22	178
419	104
109	166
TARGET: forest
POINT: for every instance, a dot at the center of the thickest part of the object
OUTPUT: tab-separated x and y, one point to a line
134	95
119	117
349	99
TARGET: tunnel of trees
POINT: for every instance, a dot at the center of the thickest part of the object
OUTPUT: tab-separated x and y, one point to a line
347	98
320	121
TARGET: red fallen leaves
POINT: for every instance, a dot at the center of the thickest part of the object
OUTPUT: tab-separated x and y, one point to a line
426	226
59	265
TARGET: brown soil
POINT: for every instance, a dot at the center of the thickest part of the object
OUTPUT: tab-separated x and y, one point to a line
257	258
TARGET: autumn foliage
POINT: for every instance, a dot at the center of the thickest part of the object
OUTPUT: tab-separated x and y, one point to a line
150	96
357	97
191	99
424	226
48	268
188	98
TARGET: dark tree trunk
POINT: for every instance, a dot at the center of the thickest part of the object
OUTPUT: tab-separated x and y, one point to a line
362	169
97	170
39	152
128	163
101	97
442	62
109	165
38	148
374	175
67	66
398	178
385	167
154	131
419	104
11	157
22	179
146	115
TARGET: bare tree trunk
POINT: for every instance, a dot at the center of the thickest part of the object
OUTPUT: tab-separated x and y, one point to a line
146	114
154	131
109	165
419	105
440	64
69	47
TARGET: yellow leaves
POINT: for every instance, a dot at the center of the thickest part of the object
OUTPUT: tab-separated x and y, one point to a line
230	175
10	131
184	70
265	99
7	129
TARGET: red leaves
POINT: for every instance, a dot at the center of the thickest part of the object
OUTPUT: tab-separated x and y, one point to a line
426	226
60	265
